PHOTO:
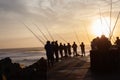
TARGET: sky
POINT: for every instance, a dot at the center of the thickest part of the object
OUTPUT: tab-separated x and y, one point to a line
64	20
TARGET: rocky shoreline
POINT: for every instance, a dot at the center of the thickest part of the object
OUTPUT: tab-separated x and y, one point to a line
13	71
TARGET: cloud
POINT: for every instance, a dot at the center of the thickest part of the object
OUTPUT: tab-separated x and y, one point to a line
53	9
54	13
14	6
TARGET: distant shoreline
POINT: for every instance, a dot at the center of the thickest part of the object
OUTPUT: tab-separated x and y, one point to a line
24	49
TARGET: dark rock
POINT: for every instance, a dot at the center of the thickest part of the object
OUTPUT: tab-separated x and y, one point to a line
105	61
13	71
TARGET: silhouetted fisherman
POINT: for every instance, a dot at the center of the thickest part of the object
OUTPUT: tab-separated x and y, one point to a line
61	50
69	49
49	53
82	49
65	50
74	46
53	48
104	43
105	58
117	42
94	43
56	51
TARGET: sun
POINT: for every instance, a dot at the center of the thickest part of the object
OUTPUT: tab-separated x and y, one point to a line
101	27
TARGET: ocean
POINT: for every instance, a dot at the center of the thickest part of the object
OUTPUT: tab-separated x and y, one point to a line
27	56
24	56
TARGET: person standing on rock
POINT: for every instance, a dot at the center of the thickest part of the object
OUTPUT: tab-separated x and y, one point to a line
49	53
61	50
82	49
69	49
74	46
56	51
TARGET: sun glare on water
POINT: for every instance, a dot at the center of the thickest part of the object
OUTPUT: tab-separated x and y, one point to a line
101	27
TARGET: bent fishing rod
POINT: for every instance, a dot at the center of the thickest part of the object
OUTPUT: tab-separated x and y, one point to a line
41	32
77	37
33	33
48	32
87	32
101	20
61	37
110	17
115	25
109	26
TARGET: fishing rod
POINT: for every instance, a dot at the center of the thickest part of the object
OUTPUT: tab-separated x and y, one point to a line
61	38
106	22
101	20
107	25
115	25
76	36
110	17
41	32
41	36
87	33
48	32
33	33
46	27
113	39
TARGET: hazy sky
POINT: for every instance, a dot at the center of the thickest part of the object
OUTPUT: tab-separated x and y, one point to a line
62	18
